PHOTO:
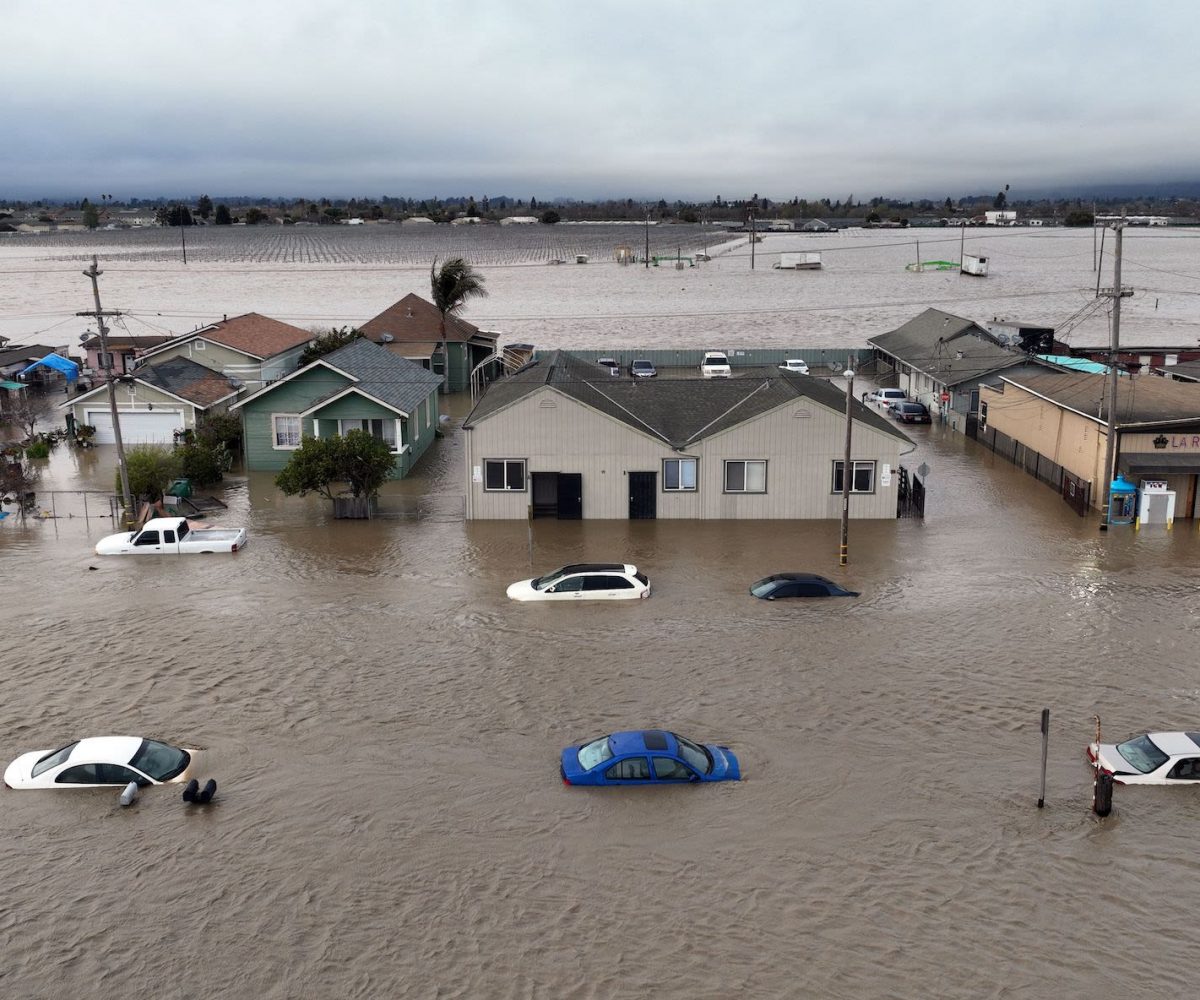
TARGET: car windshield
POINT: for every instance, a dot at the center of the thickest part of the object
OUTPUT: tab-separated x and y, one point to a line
717	359
596	752
549	580
53	759
695	755
159	760
1142	754
763	587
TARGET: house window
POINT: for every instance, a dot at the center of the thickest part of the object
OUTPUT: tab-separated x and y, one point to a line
381	430
287	430
679	474
862	477
504	474
745	477
983	416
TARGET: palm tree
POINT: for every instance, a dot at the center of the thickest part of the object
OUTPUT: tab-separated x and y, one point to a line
452	285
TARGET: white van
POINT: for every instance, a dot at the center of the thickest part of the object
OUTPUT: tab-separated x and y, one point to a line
715	365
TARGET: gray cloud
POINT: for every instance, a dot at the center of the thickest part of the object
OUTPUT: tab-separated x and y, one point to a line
671	98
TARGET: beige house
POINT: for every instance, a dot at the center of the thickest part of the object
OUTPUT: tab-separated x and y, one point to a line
564	438
154	403
1056	426
252	349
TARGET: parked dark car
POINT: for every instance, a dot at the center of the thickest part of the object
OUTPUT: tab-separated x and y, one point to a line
643	369
798	585
909	413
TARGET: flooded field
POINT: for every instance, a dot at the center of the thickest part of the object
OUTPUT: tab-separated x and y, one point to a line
332	276
385	726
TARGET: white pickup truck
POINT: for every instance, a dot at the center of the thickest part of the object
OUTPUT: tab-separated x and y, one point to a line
171	536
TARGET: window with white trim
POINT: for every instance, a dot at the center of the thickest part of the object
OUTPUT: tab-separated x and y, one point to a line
286	427
381	430
679	474
505	475
742	476
862	477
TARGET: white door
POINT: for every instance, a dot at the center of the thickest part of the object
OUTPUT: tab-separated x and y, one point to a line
142	427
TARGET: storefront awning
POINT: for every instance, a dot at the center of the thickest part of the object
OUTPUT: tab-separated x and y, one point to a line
1150	462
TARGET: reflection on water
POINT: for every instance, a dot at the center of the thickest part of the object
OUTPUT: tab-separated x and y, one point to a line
384	727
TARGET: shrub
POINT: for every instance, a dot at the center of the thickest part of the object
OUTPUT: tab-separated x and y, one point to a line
151	469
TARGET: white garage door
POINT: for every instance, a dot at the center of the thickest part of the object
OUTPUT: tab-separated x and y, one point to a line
153	427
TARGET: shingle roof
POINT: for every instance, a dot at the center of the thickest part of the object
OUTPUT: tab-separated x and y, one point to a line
679	411
414	319
389	378
128	340
933	342
256	335
18	353
1143	399
1189	370
187	379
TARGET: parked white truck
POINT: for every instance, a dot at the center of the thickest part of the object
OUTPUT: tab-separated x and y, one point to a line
171	536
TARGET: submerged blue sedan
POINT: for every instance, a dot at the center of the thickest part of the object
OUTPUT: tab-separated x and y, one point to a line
647	757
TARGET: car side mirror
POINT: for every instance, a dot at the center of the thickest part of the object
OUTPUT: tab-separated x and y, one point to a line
551	590
694	777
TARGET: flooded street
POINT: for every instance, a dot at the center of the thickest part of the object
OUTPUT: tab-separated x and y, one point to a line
385	726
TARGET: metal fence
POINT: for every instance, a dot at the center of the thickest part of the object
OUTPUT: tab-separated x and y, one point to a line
910	496
88	505
1075	491
443	507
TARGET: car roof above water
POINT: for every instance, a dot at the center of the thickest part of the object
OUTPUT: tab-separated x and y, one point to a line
598	568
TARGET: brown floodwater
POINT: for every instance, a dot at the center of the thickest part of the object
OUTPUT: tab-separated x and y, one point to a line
385	727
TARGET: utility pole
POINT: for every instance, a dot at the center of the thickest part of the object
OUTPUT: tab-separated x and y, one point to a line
106	362
182	238
647	239
844	551
753	240
1116	293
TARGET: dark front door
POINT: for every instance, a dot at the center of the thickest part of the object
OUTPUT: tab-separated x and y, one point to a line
570	496
643	493
545	494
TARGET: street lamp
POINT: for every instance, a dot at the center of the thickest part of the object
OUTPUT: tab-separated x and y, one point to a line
843	552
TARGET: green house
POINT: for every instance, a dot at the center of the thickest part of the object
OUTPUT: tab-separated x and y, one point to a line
361	386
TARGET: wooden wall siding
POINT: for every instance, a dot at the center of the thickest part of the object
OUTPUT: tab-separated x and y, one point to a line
288	397
1068	439
214	356
554	433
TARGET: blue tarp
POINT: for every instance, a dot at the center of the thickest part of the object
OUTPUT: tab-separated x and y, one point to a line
58	363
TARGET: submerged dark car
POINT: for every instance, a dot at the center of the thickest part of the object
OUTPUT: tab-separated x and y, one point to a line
909	413
798	585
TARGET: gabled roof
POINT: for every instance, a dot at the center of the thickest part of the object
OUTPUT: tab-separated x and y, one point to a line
677	411
948	348
259	337
1145	399
182	378
369	370
145	341
414	319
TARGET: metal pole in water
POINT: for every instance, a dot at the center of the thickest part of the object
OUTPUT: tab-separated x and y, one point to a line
1045	747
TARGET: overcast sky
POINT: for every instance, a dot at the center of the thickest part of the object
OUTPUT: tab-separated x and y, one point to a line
646	99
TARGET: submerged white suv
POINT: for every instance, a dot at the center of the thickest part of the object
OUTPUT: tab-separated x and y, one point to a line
715	365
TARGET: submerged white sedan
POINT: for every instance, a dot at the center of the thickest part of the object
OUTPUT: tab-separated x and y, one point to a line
584	582
99	761
1150	759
